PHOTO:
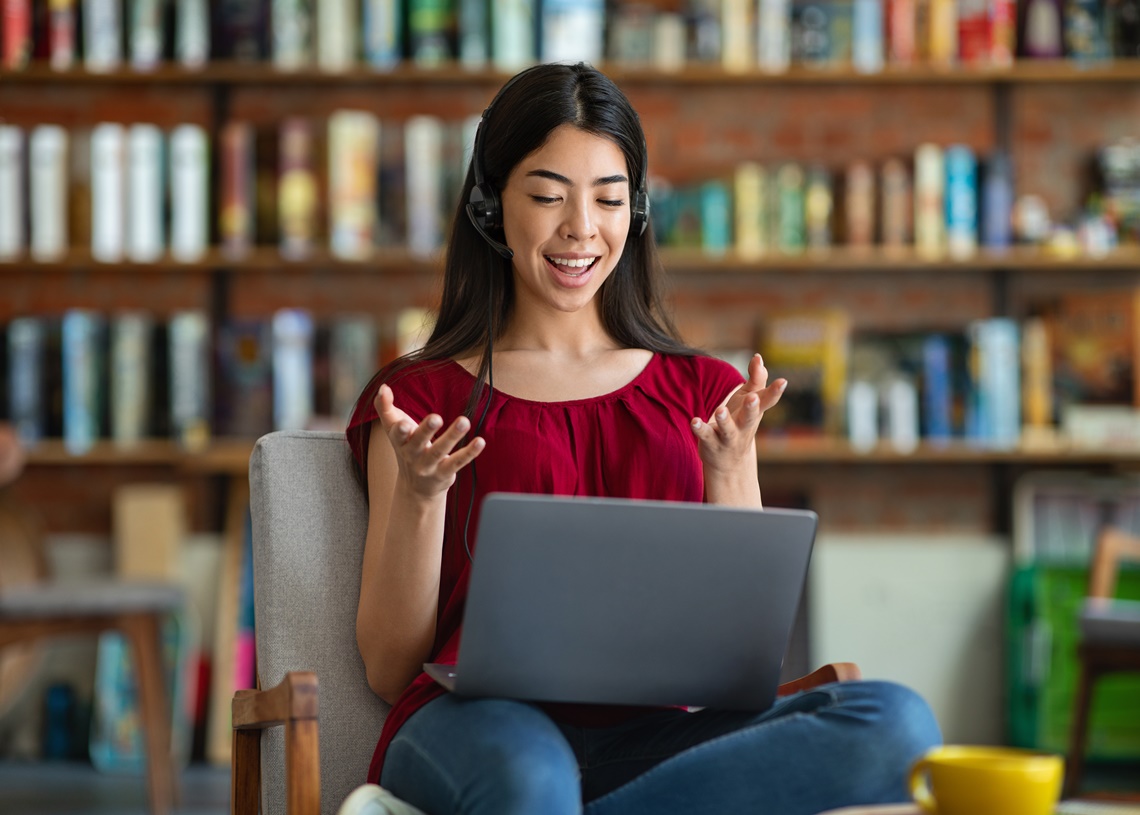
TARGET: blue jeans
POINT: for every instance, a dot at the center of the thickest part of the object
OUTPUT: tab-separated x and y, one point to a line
841	744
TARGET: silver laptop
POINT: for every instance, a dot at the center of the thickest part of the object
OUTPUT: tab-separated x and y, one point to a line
617	601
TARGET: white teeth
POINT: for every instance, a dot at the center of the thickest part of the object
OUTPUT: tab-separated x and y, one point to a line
579	263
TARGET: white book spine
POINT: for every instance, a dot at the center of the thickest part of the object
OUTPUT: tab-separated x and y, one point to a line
773	36
11	192
189	193
354	142
867	38
102	34
47	153
146	34
669	41
382	23
736	41
862	415
512	34
130	377
292	34
108	192
423	150
192	33
900	403
929	201
292	369
190	378
572	30
145	242
336	34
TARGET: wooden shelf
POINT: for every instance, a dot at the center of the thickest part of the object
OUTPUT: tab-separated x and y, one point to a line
241	73
222	456
681	261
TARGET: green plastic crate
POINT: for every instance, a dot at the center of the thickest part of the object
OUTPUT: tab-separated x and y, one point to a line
1044	602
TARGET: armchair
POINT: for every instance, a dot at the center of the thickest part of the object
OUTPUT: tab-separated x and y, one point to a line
309	519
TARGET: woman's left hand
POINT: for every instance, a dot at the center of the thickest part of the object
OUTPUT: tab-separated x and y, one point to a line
727	437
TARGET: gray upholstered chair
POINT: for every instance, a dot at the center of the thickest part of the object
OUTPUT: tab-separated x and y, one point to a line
1109	638
309	521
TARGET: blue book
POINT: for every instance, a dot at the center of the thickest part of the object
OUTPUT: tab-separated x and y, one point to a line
26	408
83	379
867	36
716	217
383	33
293	387
997	203
938	389
961	201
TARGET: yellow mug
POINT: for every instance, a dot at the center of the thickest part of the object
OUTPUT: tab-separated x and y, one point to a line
968	780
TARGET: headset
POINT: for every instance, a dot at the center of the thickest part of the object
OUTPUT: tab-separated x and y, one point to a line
485	210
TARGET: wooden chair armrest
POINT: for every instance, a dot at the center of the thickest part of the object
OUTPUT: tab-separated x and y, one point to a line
831	672
292	703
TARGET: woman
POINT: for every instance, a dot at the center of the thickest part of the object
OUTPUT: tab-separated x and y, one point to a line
552	276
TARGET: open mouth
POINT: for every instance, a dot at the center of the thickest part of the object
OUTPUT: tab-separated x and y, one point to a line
571	267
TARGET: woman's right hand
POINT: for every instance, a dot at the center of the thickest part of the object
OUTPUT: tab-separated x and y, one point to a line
428	463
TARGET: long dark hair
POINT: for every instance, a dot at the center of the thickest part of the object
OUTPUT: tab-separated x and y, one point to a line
478	287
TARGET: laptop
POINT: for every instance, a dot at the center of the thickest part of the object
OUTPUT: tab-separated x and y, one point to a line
621	601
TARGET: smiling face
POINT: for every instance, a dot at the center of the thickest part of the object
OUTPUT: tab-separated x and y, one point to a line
566	216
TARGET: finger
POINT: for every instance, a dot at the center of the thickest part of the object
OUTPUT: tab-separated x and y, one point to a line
424	432
445	442
768	397
704	431
757	375
463	456
725	424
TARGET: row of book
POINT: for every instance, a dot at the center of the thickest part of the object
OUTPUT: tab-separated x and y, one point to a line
1068	372
126	377
772	35
135	192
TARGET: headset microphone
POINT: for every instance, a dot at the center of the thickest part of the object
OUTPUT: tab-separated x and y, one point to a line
501	248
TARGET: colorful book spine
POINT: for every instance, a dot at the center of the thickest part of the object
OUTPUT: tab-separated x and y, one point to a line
961	201
245	373
102	35
1037	367
189	371
82	346
1003	32
867	48
736	51
997	203
929	201
818	206
513	45
937	389
999	380
774	36
352	154
943	47
383	33
706	37
192	33
47	157
811	33
293	387
1085	31
12	211
236	219
897	209
62	39
716	217
337	28
859	205
430	28
573	30
423	150
902	46
352	360
749	205
792	229
474	21
291	39
145	194
130	367
26	351
189	193
16	34
296	189
147	25
974	30
108	192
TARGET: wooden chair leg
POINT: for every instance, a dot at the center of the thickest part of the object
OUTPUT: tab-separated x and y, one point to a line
1078	732
302	768
245	775
144	633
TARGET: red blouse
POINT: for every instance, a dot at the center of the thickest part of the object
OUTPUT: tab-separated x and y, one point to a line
632	443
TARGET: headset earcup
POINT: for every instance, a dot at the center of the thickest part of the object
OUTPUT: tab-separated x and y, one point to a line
484	201
639	213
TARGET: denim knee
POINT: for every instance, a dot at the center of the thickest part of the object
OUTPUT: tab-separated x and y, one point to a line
543	777
903	725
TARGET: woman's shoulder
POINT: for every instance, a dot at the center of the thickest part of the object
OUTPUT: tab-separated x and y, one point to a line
699	367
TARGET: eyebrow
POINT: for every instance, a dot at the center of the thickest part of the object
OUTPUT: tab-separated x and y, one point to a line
561	179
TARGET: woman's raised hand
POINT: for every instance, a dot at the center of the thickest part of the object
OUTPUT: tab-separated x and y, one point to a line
428	462
727	437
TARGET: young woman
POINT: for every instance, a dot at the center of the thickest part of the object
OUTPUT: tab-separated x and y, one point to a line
553	368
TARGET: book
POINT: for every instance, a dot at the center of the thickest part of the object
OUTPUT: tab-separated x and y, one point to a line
737	51
942	49
1037	379
237	215
47	187
897	210
974	31
147	30
961	201
16	34
146	194
774	36
291	37
353	359
293	385
102	35
749	209
867	36
792	227
241	29
809	348
392	195
27	410
192	39
297	194
706	39
1003	28
996	203
572	30
245	378
474	33
383	27
937	388
189	373
431	31
423	148
818	207
929	201
996	369
1095	338
62	34
513	45
108	192
859	205
413	327
812	44
1040	29
632	36
13	213
337	29
131	337
353	145
83	379
902	46
1086	37
189	193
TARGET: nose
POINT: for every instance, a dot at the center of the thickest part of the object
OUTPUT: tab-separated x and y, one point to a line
578	223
